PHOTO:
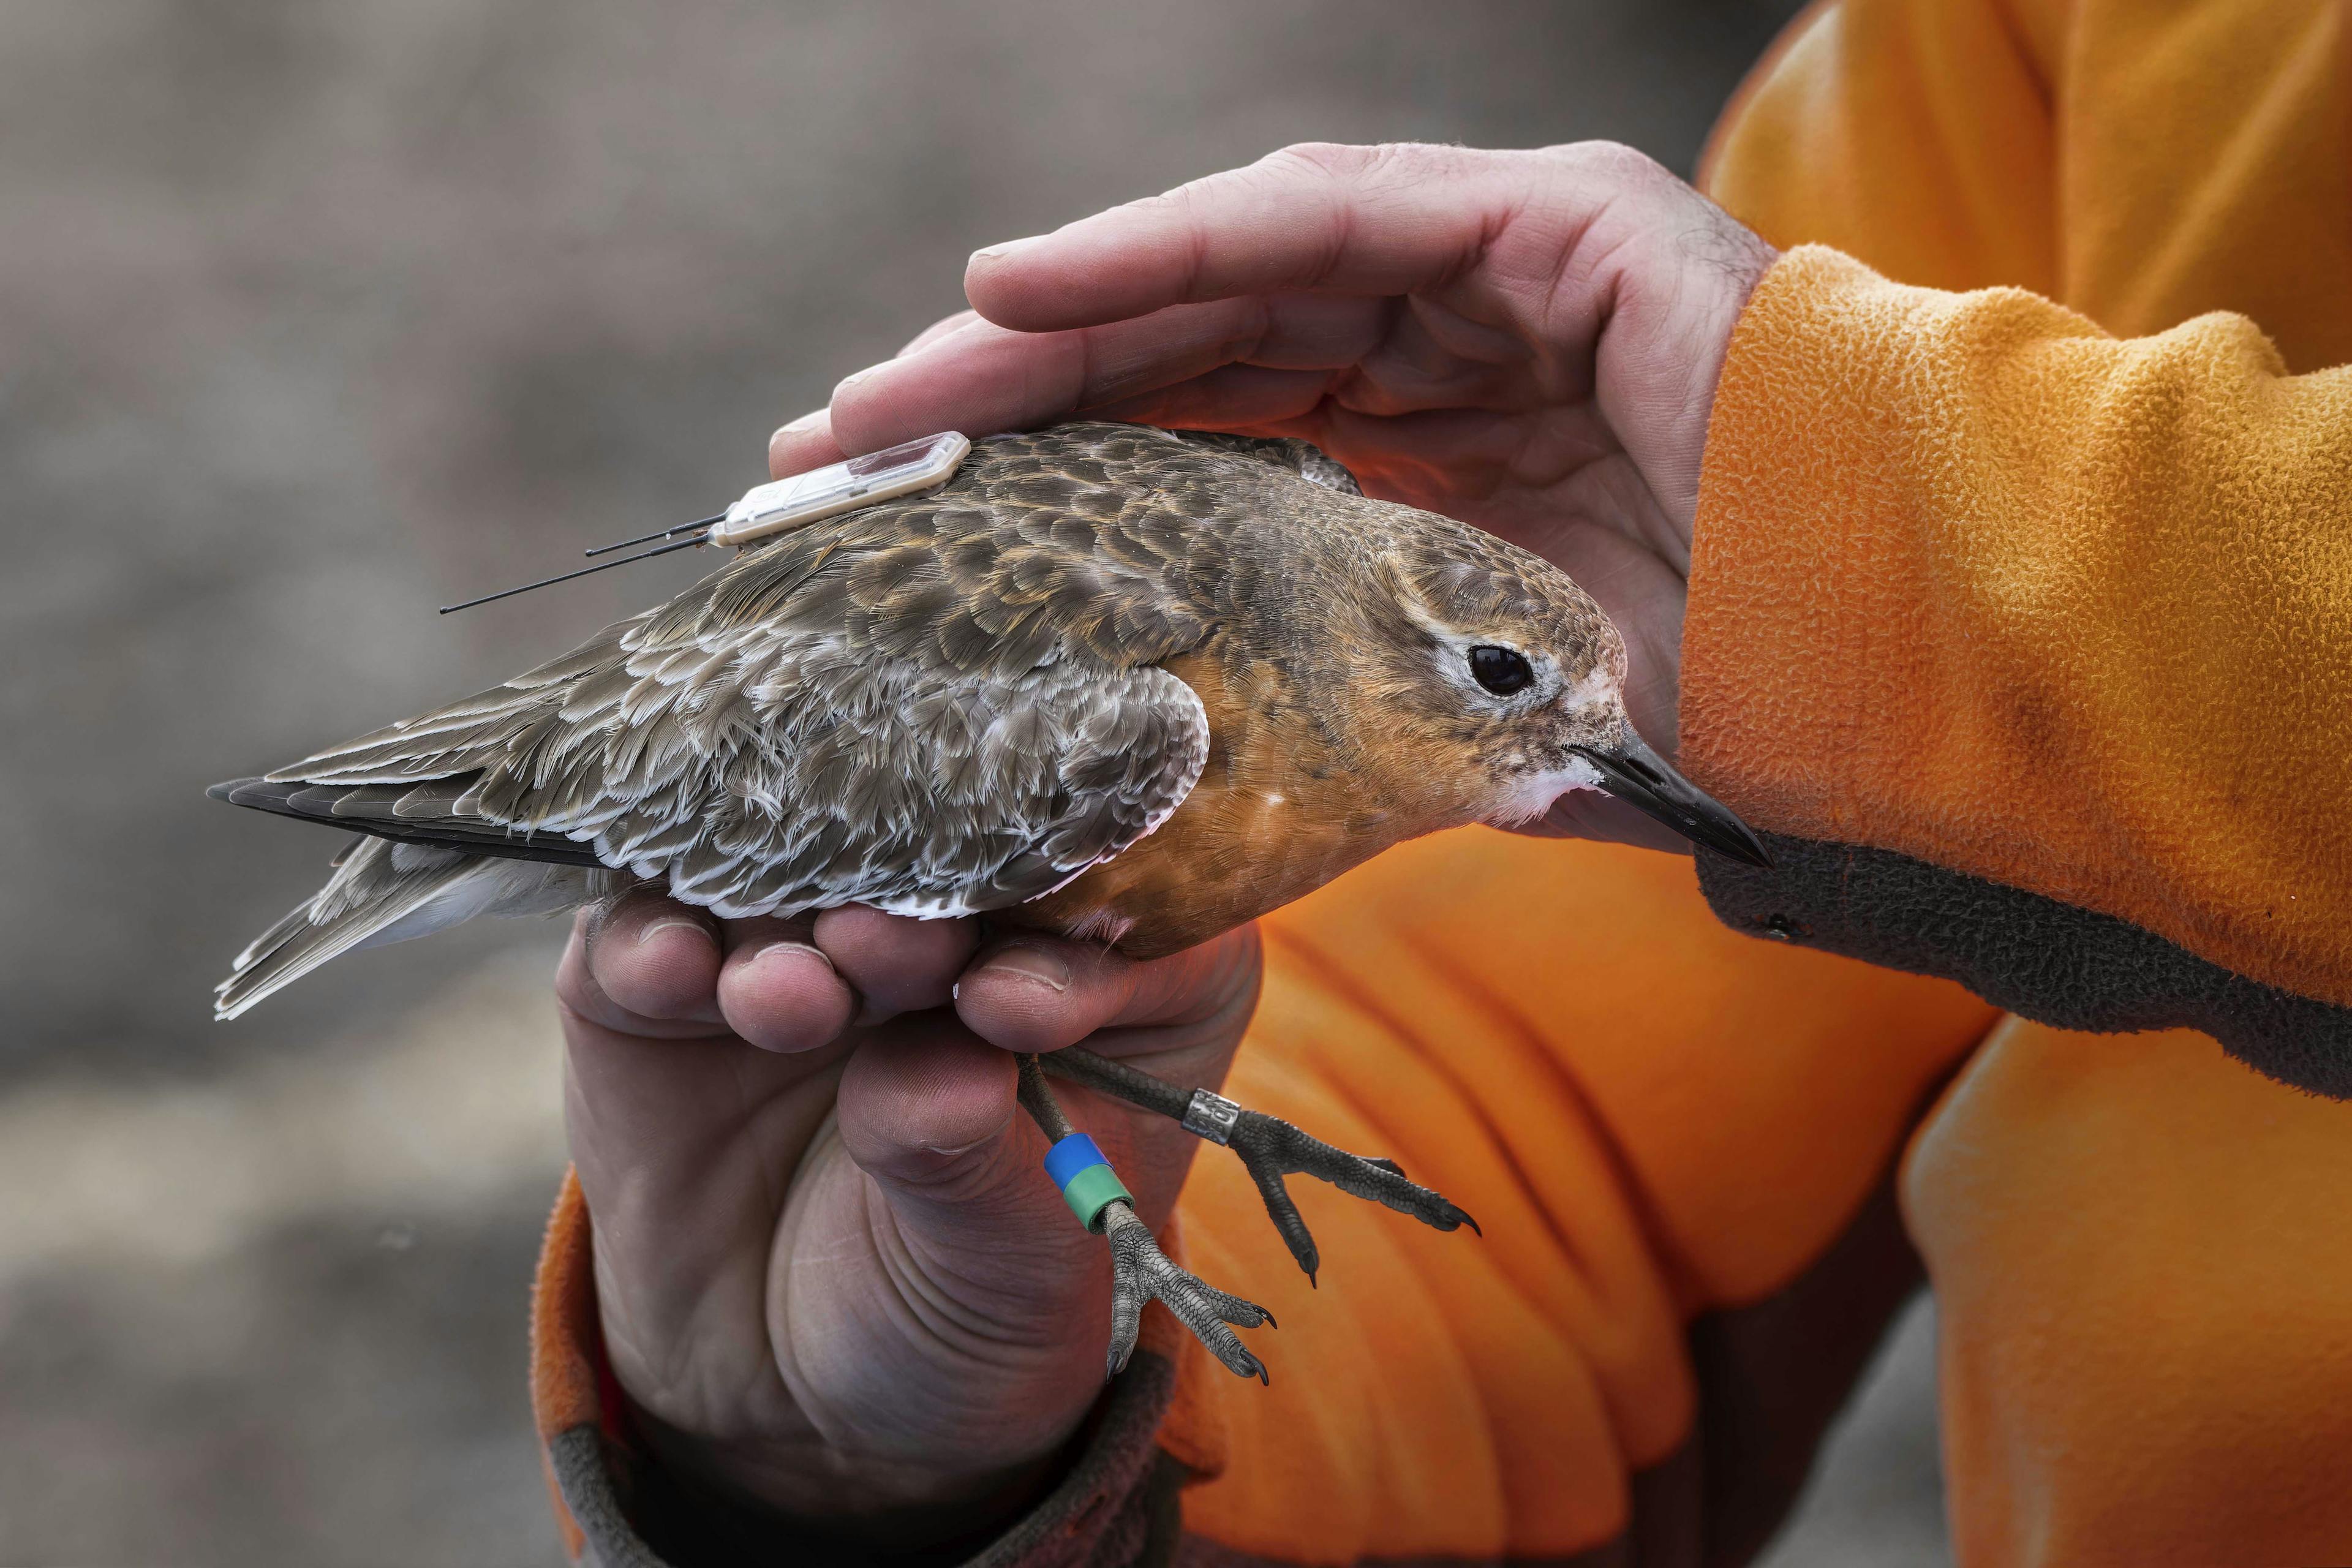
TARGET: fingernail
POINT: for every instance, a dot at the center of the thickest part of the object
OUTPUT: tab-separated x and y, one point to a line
794	950
852	379
1037	964
809	421
1003	248
673	922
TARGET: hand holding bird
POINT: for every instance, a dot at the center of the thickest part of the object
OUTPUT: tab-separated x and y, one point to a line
821	1238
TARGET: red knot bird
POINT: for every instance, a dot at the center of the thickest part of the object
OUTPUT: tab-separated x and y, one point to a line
1115	682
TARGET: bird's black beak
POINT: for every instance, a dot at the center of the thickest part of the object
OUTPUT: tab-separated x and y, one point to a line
1642	779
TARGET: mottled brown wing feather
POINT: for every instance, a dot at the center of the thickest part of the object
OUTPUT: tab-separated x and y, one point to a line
937	705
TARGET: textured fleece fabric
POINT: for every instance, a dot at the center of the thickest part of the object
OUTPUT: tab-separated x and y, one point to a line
1678	1137
2048	607
2063	611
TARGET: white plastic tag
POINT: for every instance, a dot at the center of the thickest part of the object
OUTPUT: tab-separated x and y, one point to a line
895	471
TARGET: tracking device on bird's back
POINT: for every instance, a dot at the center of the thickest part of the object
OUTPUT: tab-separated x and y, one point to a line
895	471
909	468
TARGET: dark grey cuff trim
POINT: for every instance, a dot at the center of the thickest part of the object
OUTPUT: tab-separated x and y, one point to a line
577	1457
1116	1506
2055	963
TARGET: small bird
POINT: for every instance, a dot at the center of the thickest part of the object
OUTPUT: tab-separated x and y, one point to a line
1115	682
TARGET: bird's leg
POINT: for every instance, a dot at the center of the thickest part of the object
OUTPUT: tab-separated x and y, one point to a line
1270	1148
1138	1269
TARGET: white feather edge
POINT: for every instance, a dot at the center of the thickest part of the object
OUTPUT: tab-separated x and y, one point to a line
1196	758
515	888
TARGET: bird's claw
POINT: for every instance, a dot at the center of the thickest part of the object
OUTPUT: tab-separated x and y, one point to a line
1272	1149
1140	1271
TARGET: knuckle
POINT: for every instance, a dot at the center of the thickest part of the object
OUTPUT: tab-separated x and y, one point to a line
1609	161
1378	164
1326	160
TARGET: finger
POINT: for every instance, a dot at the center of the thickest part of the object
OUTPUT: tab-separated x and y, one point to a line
684	1149
987	379
985	1252
806	443
1359	220
896	964
643	964
778	990
1037	992
1178	1018
1413	369
1244	398
944	327
983	378
919	1102
681	1145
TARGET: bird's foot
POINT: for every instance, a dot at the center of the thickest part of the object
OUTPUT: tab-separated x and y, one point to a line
1272	1149
1139	1272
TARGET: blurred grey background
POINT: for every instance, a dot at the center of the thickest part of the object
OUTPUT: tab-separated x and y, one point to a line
317	314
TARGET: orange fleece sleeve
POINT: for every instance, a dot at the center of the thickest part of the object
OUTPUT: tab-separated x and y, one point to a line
1979	584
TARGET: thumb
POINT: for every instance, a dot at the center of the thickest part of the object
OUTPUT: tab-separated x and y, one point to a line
976	1239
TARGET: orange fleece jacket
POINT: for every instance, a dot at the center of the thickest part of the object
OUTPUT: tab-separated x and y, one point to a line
2039	600
1980	585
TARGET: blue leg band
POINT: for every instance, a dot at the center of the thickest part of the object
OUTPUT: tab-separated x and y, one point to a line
1085	1178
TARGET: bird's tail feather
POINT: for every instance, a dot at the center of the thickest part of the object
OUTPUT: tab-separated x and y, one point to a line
380	892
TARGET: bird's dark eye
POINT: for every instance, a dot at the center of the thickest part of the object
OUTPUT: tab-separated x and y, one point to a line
1500	670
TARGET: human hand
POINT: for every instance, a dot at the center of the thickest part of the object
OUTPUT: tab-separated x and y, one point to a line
1529	342
835	1282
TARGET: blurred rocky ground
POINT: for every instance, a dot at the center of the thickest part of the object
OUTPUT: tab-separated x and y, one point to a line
315	314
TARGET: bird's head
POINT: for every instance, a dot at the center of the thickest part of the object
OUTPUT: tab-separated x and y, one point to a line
1488	663
1481	683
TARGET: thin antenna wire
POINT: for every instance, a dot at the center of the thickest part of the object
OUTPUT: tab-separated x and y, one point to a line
548	582
649	538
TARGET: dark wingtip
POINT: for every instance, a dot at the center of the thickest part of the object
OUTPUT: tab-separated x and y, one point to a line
222	790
